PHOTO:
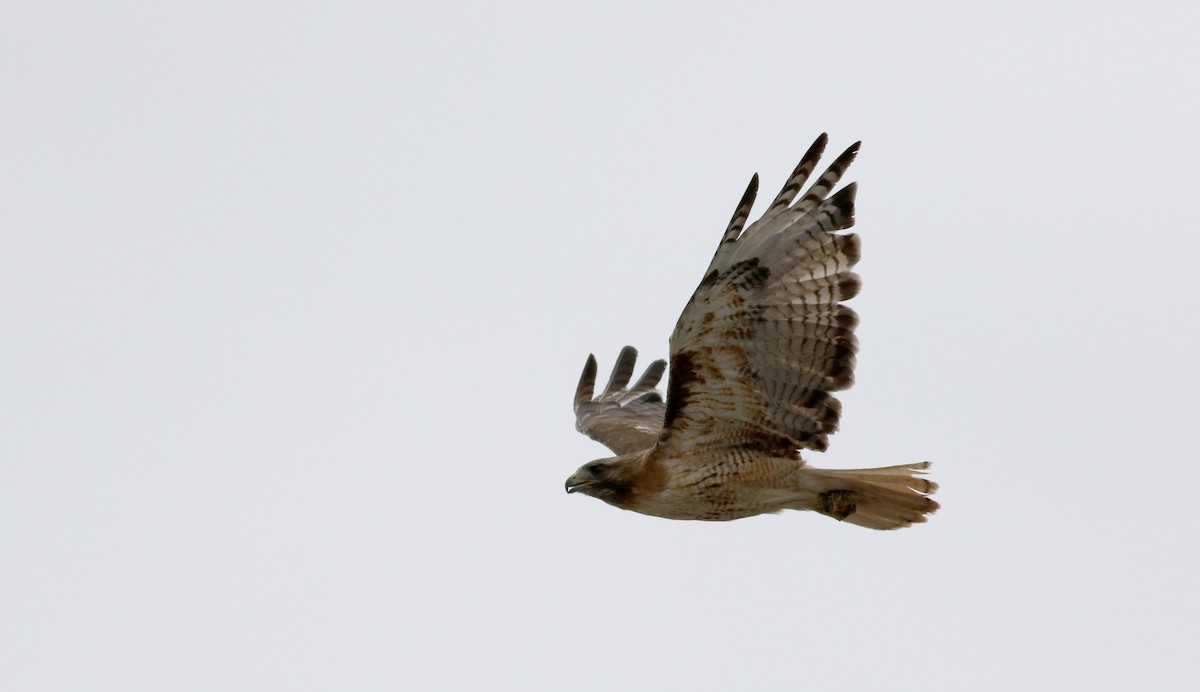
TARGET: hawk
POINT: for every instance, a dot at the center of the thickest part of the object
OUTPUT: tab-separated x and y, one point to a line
755	357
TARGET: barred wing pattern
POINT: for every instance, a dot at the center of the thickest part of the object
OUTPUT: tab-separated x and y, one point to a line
764	339
623	419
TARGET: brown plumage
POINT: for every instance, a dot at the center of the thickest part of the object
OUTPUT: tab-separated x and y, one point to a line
755	355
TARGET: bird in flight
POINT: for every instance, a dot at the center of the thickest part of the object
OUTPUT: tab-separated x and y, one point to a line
755	357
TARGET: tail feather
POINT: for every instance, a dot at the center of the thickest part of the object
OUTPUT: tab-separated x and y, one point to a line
884	498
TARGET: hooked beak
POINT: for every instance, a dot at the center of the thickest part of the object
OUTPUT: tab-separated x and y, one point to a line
575	482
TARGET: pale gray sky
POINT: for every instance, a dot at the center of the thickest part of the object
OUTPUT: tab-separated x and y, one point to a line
294	297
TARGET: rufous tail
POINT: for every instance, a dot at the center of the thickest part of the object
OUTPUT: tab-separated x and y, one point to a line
886	498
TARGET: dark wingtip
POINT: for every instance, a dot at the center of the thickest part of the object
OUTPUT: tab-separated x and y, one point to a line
650	378
742	212
851	151
622	371
587	382
817	148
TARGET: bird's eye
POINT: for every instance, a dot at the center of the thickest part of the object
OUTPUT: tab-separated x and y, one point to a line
597	469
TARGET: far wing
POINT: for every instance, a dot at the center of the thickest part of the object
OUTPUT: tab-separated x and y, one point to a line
765	339
623	419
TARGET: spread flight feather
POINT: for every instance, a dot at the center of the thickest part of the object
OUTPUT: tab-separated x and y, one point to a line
755	357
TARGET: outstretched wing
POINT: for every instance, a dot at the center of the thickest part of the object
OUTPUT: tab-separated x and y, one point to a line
764	339
623	419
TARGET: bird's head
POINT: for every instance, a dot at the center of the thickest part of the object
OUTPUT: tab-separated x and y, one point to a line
612	480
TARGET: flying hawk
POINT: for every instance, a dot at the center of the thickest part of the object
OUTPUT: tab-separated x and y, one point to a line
755	354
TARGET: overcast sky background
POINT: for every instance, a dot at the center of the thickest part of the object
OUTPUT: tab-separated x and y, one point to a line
294	297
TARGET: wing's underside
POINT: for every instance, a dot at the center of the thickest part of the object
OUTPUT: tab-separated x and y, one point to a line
624	419
764	340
